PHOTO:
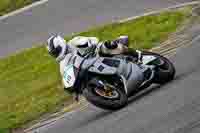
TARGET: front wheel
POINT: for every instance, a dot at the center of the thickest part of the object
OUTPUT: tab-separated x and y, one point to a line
112	97
165	70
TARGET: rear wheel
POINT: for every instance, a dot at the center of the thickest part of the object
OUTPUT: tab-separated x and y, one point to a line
111	97
165	70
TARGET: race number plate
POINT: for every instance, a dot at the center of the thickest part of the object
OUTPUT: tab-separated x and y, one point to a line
69	76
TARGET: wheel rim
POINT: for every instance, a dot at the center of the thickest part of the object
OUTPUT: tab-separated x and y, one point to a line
109	92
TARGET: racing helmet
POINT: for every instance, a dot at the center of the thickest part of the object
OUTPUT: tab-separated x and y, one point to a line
56	46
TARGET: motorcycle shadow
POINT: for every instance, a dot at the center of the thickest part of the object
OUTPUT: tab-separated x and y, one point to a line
143	93
101	114
153	88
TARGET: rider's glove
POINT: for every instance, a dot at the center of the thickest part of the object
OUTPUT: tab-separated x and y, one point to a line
69	90
110	44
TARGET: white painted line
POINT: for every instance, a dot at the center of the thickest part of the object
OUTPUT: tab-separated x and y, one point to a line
159	11
23	9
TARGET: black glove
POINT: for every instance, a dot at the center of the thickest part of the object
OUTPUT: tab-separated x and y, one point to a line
72	91
110	44
69	90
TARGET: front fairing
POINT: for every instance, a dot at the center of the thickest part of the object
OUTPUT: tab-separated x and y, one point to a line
69	75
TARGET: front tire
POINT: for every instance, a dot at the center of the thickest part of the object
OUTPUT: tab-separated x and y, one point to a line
103	102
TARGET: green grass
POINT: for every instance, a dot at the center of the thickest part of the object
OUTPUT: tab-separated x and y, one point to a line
144	32
30	83
10	5
4	131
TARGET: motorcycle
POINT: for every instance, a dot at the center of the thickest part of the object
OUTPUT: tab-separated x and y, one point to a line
108	90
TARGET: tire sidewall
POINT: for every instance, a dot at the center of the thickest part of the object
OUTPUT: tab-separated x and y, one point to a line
162	77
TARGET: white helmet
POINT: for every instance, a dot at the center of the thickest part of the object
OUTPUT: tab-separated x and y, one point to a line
84	44
57	47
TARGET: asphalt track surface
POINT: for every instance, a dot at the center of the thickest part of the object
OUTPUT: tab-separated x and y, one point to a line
66	16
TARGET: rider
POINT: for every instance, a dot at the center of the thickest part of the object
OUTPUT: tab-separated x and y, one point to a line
85	45
82	46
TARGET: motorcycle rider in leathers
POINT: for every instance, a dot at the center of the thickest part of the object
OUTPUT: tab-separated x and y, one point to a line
82	46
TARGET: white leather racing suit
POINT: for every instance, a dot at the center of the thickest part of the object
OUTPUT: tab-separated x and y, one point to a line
86	45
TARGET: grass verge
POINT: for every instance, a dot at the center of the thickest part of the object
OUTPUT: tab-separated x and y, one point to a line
7	6
4	130
30	83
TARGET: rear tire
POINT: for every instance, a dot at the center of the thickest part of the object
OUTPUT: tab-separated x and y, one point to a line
165	72
105	103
